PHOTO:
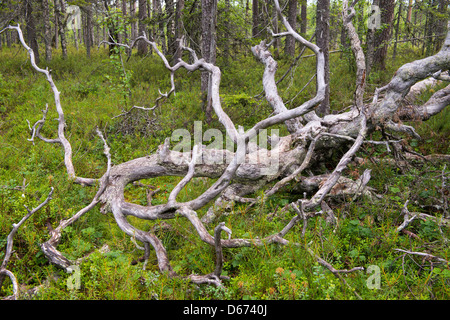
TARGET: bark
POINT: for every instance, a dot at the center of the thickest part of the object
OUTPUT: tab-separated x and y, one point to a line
405	77
47	30
410	7
292	19
323	41
304	17
157	9
31	29
142	47
60	9
170	27
438	101
429	29
124	14
255	19
226	41
209	15
384	35
443	7
89	29
270	87
399	14
178	30
134	28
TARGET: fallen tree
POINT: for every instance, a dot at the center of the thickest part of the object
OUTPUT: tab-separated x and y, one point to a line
310	143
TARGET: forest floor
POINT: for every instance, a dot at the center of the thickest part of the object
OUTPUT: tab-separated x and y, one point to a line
94	91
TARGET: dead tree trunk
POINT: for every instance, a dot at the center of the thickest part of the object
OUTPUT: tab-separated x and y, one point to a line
323	41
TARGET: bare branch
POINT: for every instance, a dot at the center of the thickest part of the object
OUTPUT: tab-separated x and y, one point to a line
61	122
49	247
357	52
16	227
405	77
218	245
407	218
437	102
5	272
422	254
270	88
196	153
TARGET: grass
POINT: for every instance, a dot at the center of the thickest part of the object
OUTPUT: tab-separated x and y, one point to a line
365	235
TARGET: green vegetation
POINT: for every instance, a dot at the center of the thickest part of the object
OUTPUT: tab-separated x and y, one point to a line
91	96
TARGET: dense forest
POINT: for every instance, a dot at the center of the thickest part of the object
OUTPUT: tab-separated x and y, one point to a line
224	150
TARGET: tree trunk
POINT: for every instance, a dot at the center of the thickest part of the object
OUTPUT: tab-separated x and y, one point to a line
31	29
292	19
142	46
47	30
124	14
441	23
157	9
256	22
410	7
323	40
60	8
133	19
8	38
88	36
276	44
209	12
178	29
384	35
171	40
55	39
226	40
304	16
399	15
